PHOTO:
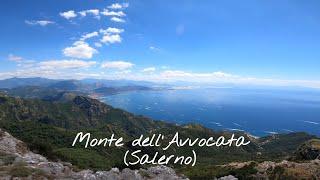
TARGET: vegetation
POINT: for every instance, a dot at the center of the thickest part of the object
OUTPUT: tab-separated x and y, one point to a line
308	151
49	126
20	171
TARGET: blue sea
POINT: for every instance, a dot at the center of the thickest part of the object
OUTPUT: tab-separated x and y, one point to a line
257	111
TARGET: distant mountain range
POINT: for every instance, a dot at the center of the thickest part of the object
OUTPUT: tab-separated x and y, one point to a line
41	87
72	84
17	82
86	85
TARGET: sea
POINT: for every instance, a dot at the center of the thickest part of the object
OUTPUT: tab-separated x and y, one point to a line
259	112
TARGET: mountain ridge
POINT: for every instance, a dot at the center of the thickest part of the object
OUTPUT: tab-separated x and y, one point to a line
49	126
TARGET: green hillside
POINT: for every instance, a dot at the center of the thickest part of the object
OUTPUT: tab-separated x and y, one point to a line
49	127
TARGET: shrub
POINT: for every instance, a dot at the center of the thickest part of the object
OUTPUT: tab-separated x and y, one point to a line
20	171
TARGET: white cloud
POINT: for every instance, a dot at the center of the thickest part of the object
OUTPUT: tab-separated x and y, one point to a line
218	75
111	30
98	44
83	13
106	12
175	74
123	72
115	6
149	69
116	19
222	77
89	35
111	35
26	63
78	69
54	69
94	12
118	6
155	49
39	22
164	67
121	65
65	64
68	14
111	38
80	49
15	58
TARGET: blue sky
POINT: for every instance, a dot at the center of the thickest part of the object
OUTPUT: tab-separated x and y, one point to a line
252	42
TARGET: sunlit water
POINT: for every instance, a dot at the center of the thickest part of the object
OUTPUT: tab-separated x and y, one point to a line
259	112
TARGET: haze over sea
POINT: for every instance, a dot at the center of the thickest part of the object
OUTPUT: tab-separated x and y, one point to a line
257	111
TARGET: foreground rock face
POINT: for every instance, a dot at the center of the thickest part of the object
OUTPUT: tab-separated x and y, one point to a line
158	172
289	170
279	170
17	162
309	150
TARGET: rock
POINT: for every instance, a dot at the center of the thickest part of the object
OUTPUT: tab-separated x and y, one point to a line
130	174
310	150
15	154
33	158
154	173
284	170
53	168
230	177
115	170
11	145
107	175
264	166
161	172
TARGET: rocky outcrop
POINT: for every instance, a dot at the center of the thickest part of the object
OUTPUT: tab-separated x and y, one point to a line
278	170
289	169
12	146
156	173
229	177
309	150
18	162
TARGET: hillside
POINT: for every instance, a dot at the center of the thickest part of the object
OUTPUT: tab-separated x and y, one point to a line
115	90
48	127
18	162
76	112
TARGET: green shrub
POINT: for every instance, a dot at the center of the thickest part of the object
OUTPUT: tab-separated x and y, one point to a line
20	171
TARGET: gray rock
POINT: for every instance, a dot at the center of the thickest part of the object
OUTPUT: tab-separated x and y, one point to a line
22	156
230	177
51	168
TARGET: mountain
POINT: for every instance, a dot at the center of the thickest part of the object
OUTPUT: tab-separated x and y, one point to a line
72	84
49	126
69	85
30	92
41	87
18	162
115	90
17	82
76	113
308	151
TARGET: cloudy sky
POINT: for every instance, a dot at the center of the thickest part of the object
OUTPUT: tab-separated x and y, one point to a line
274	42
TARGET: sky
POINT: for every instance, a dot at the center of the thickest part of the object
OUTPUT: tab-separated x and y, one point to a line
274	42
